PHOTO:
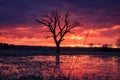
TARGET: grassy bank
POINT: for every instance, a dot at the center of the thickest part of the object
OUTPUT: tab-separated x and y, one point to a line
28	51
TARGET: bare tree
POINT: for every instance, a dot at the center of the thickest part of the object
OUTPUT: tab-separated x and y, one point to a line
118	42
59	25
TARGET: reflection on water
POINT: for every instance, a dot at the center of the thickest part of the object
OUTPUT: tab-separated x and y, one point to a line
85	67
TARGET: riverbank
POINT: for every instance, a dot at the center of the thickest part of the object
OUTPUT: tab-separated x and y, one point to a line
64	51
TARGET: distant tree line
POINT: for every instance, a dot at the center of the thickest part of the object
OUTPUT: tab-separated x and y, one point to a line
6	46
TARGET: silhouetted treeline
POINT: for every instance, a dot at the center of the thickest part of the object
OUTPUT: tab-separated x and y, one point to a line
21	50
6	46
18	47
45	48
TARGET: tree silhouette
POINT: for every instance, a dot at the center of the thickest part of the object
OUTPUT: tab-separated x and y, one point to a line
118	42
59	25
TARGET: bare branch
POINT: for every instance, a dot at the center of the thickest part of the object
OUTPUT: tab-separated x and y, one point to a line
58	26
75	24
41	22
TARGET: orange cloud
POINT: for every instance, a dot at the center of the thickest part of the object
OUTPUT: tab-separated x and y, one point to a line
27	35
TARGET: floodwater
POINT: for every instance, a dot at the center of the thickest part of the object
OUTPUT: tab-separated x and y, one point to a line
79	67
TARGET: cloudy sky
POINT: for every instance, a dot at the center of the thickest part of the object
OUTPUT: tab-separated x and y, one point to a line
101	18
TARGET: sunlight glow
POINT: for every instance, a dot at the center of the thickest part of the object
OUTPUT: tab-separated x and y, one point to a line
76	37
35	36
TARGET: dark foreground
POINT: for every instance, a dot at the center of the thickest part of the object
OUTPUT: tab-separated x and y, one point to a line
12	50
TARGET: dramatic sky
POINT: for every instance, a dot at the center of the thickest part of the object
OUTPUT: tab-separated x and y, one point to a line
101	18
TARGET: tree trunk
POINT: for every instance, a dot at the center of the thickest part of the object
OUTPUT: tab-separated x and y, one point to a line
57	48
57	54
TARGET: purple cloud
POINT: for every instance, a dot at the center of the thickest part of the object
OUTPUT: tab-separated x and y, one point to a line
103	13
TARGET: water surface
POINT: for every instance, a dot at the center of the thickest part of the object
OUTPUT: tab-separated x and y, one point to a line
85	67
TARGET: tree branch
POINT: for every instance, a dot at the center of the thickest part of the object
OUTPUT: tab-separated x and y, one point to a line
58	26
